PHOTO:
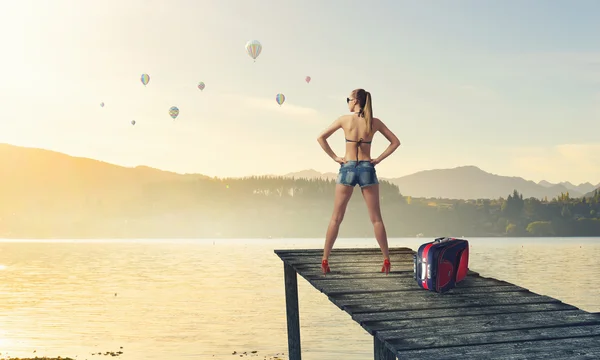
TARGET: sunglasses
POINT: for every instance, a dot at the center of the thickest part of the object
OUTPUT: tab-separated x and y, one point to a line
348	100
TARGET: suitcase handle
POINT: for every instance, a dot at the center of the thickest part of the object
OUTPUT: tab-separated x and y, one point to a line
442	239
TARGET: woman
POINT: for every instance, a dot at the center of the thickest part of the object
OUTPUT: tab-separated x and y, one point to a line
359	128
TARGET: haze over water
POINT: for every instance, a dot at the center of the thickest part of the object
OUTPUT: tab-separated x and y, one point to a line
190	299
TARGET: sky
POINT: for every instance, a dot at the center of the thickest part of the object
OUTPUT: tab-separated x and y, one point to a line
512	87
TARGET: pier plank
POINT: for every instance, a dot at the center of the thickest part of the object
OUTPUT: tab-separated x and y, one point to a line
568	348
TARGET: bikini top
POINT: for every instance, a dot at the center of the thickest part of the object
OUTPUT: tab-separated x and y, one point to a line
361	141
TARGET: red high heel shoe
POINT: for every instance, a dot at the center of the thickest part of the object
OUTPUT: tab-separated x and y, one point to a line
325	267
386	266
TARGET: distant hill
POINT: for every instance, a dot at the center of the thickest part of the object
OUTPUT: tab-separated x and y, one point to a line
470	182
591	193
31	175
581	188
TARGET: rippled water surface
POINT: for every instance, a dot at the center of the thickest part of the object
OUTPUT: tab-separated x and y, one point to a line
199	299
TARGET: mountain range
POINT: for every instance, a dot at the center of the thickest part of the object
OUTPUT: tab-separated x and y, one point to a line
30	173
469	182
30	176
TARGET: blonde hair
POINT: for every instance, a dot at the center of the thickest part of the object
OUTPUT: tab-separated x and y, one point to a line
363	98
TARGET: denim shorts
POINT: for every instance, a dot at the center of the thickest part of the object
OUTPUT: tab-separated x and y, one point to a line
361	173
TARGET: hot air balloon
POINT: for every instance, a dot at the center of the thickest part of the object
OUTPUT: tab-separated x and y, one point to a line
101	104
174	112
145	79
253	47
307	79
132	122
201	85
280	98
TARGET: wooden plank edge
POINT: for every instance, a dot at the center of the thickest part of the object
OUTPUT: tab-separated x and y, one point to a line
506	342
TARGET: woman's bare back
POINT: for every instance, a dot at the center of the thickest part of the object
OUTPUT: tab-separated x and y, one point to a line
355	128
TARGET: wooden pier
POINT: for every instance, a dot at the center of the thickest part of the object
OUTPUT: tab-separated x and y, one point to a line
482	318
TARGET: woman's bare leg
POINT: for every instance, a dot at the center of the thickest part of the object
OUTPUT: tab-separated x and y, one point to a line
343	193
371	196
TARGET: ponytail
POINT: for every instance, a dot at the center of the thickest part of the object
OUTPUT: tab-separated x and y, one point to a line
363	99
367	112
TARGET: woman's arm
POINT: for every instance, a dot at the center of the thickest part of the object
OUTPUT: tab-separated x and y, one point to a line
322	138
388	134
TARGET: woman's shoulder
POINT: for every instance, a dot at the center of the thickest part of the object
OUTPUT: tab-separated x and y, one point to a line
344	119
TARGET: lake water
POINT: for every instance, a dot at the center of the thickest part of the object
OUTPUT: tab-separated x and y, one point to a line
192	299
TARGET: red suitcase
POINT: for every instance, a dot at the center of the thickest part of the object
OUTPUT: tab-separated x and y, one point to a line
440	264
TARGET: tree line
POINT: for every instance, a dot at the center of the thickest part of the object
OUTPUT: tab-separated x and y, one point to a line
261	206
